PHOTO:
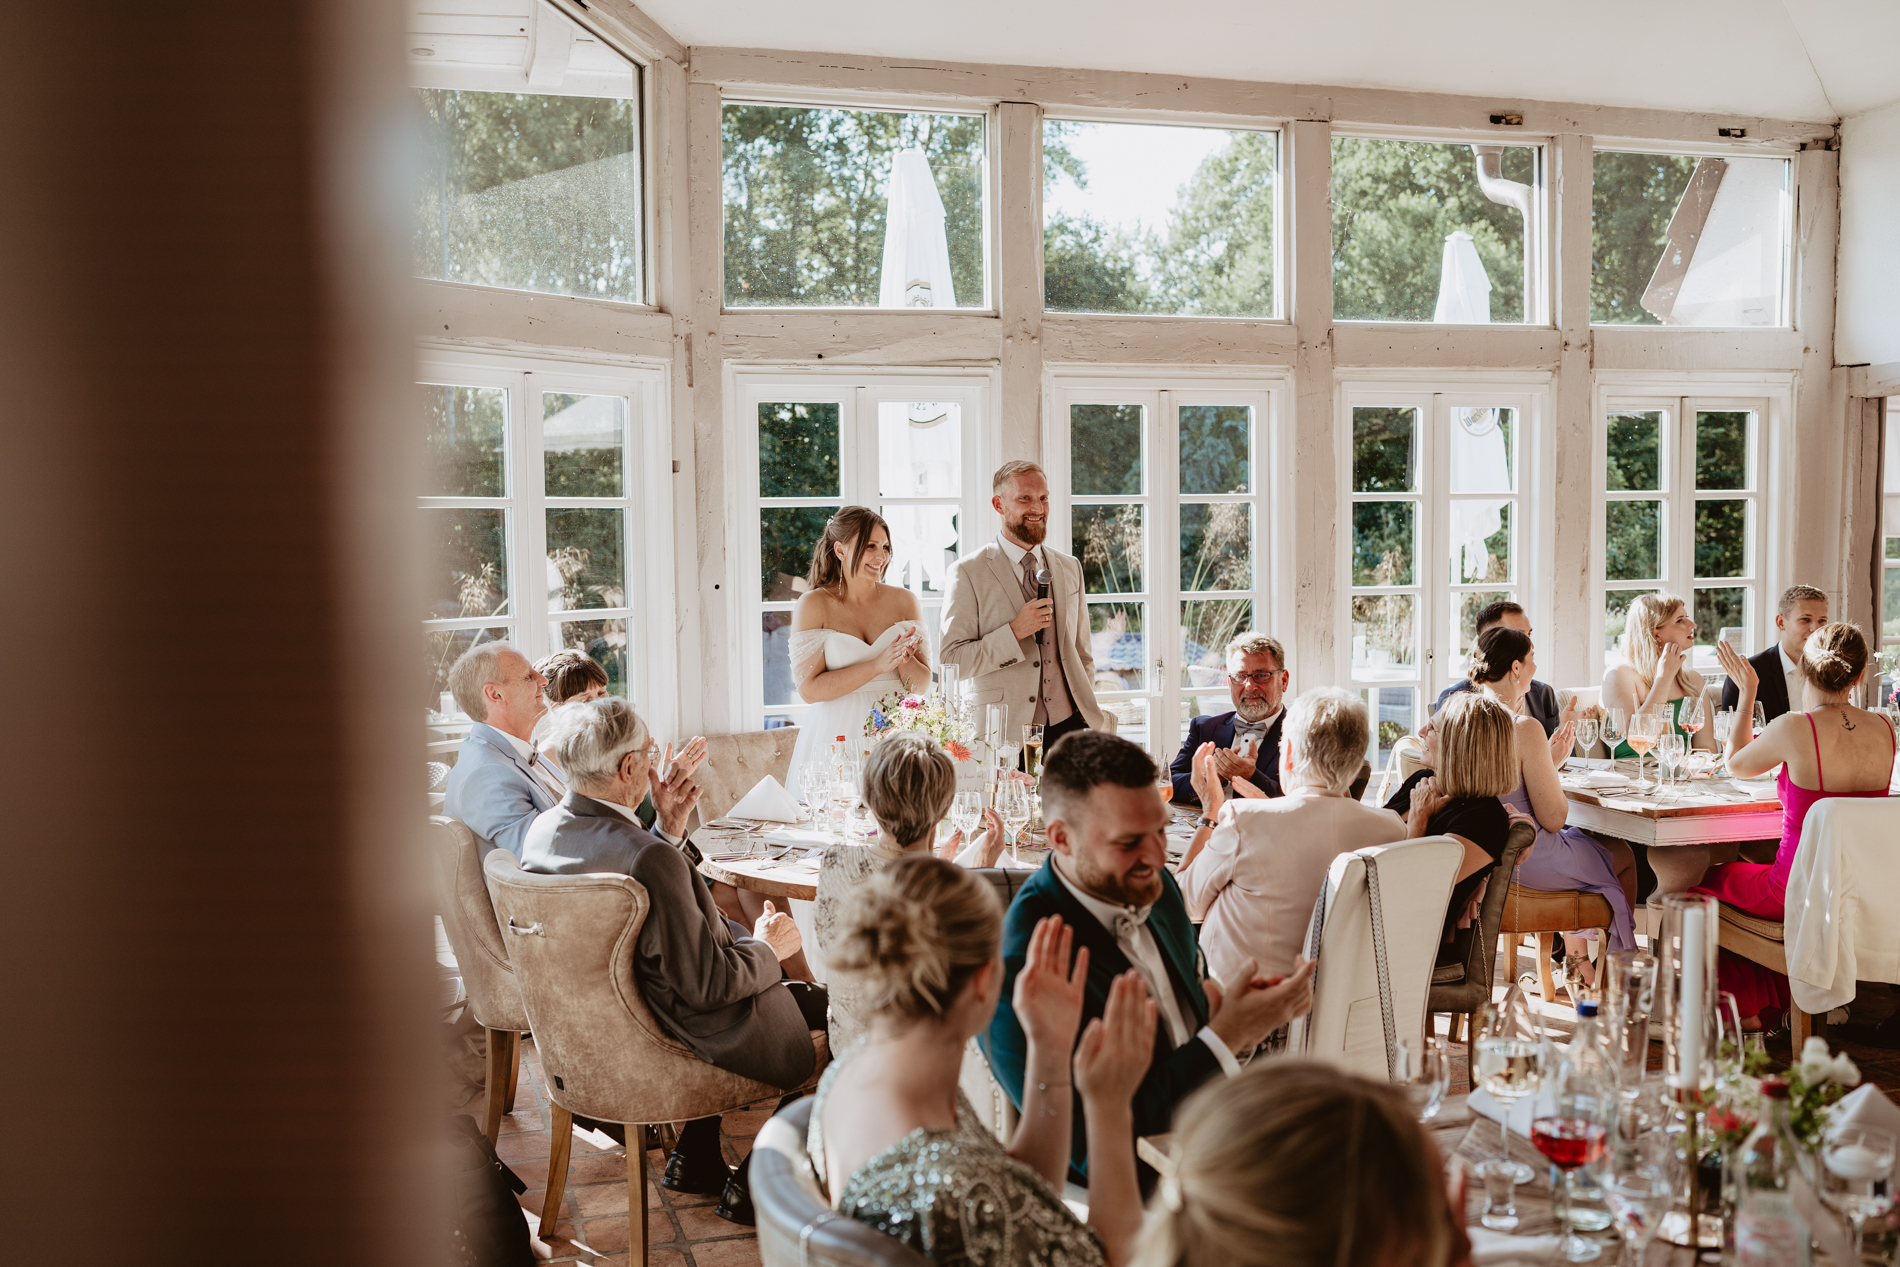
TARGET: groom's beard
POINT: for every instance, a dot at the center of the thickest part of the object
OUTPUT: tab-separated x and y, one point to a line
1024	530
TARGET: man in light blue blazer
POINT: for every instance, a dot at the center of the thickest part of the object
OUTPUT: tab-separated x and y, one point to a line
498	784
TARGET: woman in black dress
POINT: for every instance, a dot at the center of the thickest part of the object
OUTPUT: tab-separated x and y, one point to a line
1471	751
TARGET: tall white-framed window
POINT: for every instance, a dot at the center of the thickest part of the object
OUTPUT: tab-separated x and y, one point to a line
1682	483
1437	484
547	517
1163	488
913	448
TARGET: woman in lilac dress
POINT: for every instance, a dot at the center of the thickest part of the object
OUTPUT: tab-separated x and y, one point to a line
1832	749
1503	664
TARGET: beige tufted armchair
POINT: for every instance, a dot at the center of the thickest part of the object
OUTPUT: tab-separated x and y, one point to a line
736	763
605	1056
469	918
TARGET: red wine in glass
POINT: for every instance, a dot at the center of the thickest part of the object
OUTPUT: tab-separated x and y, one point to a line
1569	1142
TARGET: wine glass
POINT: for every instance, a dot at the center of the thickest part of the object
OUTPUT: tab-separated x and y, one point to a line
1425	1073
818	797
1587	734
1760	719
1641	737
966	812
1691	717
1511	1066
1012	803
1611	728
1857	1175
1574	1134
1640	1190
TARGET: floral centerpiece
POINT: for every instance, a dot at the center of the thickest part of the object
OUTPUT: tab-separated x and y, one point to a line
1815	1082
926	714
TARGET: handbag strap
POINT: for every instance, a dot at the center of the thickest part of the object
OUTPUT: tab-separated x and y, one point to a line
1379	965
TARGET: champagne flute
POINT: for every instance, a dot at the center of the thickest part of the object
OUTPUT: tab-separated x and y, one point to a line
1425	1073
1857	1176
1510	1067
1032	751
966	812
1012	803
1641	736
1640	1190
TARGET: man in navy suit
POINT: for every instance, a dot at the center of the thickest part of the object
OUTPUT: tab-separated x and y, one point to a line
1247	740
1108	880
499	783
1802	610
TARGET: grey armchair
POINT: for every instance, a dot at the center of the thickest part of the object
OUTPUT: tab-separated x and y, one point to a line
735	764
468	916
603	1053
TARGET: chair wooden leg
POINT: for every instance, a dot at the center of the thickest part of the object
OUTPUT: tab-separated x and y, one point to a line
637	1188
560	1141
500	1088
1505	965
1545	981
1800	1025
514	1069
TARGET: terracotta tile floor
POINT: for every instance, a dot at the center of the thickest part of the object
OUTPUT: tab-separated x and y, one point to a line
682	1230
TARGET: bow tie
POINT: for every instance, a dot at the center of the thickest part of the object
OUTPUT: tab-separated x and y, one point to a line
1128	923
1251	727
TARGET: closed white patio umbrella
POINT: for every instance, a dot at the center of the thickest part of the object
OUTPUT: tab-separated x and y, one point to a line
916	249
1464	289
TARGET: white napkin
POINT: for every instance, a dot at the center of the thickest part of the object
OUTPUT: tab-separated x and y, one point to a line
1866	1105
1522	1110
799	836
767	802
1759	791
1496	1248
1604	779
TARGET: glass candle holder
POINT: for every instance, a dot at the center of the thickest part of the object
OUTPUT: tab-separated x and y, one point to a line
1686	991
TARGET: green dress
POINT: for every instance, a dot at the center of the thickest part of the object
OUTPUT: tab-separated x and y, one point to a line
1675	710
956	1196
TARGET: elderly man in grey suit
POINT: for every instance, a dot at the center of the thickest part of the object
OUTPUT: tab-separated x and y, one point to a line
1013	646
499	783
717	987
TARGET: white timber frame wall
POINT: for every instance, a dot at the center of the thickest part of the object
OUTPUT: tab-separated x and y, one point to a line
1832	442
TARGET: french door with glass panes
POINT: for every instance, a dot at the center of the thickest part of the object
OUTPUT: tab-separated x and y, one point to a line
540	522
1437	532
1680	479
1164	492
908	448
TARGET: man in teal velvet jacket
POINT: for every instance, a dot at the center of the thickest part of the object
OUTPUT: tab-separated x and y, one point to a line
1107	878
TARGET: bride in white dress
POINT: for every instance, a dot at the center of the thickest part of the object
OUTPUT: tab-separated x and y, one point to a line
854	638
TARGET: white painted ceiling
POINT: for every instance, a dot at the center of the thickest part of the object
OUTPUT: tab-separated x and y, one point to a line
1808	60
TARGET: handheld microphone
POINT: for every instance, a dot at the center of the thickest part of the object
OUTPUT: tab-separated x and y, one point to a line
1042	591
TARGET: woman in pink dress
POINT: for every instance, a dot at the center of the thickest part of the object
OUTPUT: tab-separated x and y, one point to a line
1832	749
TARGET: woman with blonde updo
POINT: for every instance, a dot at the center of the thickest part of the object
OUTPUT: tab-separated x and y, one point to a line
1296	1164
905	1153
1655	675
909	782
1832	742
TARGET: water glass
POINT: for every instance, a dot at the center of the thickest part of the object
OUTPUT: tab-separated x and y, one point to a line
1724	725
1640	1190
1611	728
818	799
1857	1175
1012	804
1425	1073
1670	750
1587	734
1500	1194
966	812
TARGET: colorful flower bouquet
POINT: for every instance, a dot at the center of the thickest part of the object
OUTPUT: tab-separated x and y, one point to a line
1815	1081
924	714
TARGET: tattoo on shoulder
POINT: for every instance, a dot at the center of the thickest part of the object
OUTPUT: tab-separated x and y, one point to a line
1847	722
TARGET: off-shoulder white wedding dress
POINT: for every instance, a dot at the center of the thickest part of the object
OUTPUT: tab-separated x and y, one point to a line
823	722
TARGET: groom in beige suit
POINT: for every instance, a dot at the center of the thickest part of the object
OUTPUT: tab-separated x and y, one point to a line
992	621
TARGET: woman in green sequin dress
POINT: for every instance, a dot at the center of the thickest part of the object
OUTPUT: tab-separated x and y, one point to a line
905	1152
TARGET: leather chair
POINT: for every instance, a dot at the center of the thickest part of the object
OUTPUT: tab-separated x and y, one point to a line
1545	913
468	916
1463	988
603	1053
1763	941
797	1227
736	763
1346	1024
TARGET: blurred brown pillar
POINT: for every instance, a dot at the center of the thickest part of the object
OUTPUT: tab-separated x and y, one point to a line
215	948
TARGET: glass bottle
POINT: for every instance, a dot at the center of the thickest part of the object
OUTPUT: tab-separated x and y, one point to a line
1769	1230
1589	1070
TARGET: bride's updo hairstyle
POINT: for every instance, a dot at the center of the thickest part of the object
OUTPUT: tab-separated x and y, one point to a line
852	526
1292	1163
1498	648
913	936
1835	655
